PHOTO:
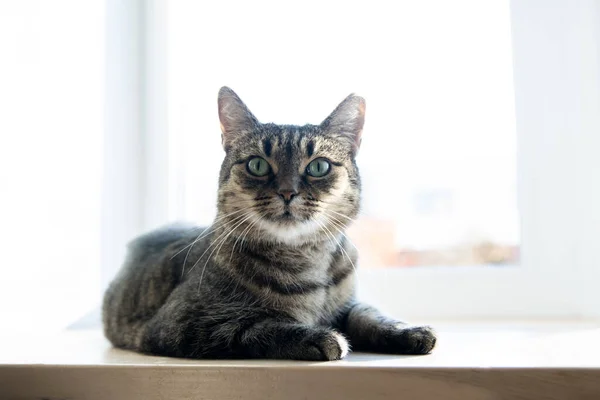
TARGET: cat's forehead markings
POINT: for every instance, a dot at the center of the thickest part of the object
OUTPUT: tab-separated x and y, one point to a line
289	150
310	147
267	146
275	141
299	141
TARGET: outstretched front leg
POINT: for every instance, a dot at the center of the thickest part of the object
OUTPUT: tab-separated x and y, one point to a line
368	330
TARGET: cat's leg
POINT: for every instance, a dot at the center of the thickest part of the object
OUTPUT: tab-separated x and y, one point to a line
171	334
368	330
283	340
191	327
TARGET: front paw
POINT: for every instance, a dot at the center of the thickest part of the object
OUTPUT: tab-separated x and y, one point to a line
412	340
323	345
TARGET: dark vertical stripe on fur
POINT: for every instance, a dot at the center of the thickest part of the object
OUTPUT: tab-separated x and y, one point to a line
310	148
268	146
289	151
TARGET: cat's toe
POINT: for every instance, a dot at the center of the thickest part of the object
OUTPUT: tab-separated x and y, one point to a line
328	346
415	340
335	347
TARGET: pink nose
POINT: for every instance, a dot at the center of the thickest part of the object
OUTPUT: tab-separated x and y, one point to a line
287	195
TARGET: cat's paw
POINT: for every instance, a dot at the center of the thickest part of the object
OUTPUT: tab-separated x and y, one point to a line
412	339
324	346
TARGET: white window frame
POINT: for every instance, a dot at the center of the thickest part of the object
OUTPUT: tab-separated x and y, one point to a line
556	47
136	145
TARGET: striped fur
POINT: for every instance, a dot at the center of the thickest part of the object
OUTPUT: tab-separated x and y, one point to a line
273	277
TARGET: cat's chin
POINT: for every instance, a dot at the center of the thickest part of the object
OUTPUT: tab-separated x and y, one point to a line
289	229
287	217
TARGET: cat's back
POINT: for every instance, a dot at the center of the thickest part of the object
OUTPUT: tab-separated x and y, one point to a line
158	240
169	244
152	269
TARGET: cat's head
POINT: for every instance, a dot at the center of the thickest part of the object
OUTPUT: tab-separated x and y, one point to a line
287	183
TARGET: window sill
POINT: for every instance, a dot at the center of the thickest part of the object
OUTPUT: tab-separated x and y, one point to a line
482	360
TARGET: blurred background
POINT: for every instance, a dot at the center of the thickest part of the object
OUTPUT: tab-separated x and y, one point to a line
438	159
109	128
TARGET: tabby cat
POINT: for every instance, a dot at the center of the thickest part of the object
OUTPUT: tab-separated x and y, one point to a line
274	276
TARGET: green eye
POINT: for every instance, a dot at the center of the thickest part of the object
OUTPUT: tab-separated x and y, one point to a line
258	166
318	168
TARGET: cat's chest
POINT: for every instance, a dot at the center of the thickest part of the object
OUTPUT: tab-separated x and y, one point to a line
320	303
304	285
322	306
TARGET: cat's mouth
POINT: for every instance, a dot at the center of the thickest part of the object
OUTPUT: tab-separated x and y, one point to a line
287	215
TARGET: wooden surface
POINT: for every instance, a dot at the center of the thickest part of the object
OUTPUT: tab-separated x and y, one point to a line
483	361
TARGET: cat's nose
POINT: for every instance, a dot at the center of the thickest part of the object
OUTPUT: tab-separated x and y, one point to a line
287	194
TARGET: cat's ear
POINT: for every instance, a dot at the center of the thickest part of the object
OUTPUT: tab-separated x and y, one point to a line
347	120
235	117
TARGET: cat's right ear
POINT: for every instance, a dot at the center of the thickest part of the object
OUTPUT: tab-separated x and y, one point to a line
235	117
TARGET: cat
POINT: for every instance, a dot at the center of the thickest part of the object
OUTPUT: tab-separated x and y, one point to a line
274	276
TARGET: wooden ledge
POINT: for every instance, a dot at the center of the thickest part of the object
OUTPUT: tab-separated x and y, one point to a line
472	361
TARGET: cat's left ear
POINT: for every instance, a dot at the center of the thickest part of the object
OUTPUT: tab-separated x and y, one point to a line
347	121
235	117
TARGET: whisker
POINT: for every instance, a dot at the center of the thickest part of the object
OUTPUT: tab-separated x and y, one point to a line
342	247
341	215
242	235
337	226
330	236
214	228
215	248
233	230
326	211
236	219
200	236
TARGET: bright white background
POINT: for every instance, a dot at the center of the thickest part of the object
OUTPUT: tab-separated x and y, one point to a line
437	77
51	129
108	114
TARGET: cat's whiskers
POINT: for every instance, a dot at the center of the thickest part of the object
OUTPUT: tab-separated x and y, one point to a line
342	215
332	238
242	235
332	217
214	228
208	230
218	248
215	244
340	245
333	211
322	228
339	225
260	229
201	235
233	230
233	221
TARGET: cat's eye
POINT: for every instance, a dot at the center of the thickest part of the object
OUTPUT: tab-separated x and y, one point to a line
318	168
258	166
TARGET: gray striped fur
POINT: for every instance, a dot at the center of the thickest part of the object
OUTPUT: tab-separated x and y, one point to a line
272	277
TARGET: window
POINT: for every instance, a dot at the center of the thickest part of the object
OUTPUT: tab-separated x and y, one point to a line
480	155
51	133
439	153
438	159
466	163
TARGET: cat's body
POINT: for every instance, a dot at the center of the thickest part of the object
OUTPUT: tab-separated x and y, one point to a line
273	277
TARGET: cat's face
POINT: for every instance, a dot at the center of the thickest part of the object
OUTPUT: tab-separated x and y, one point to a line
291	184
